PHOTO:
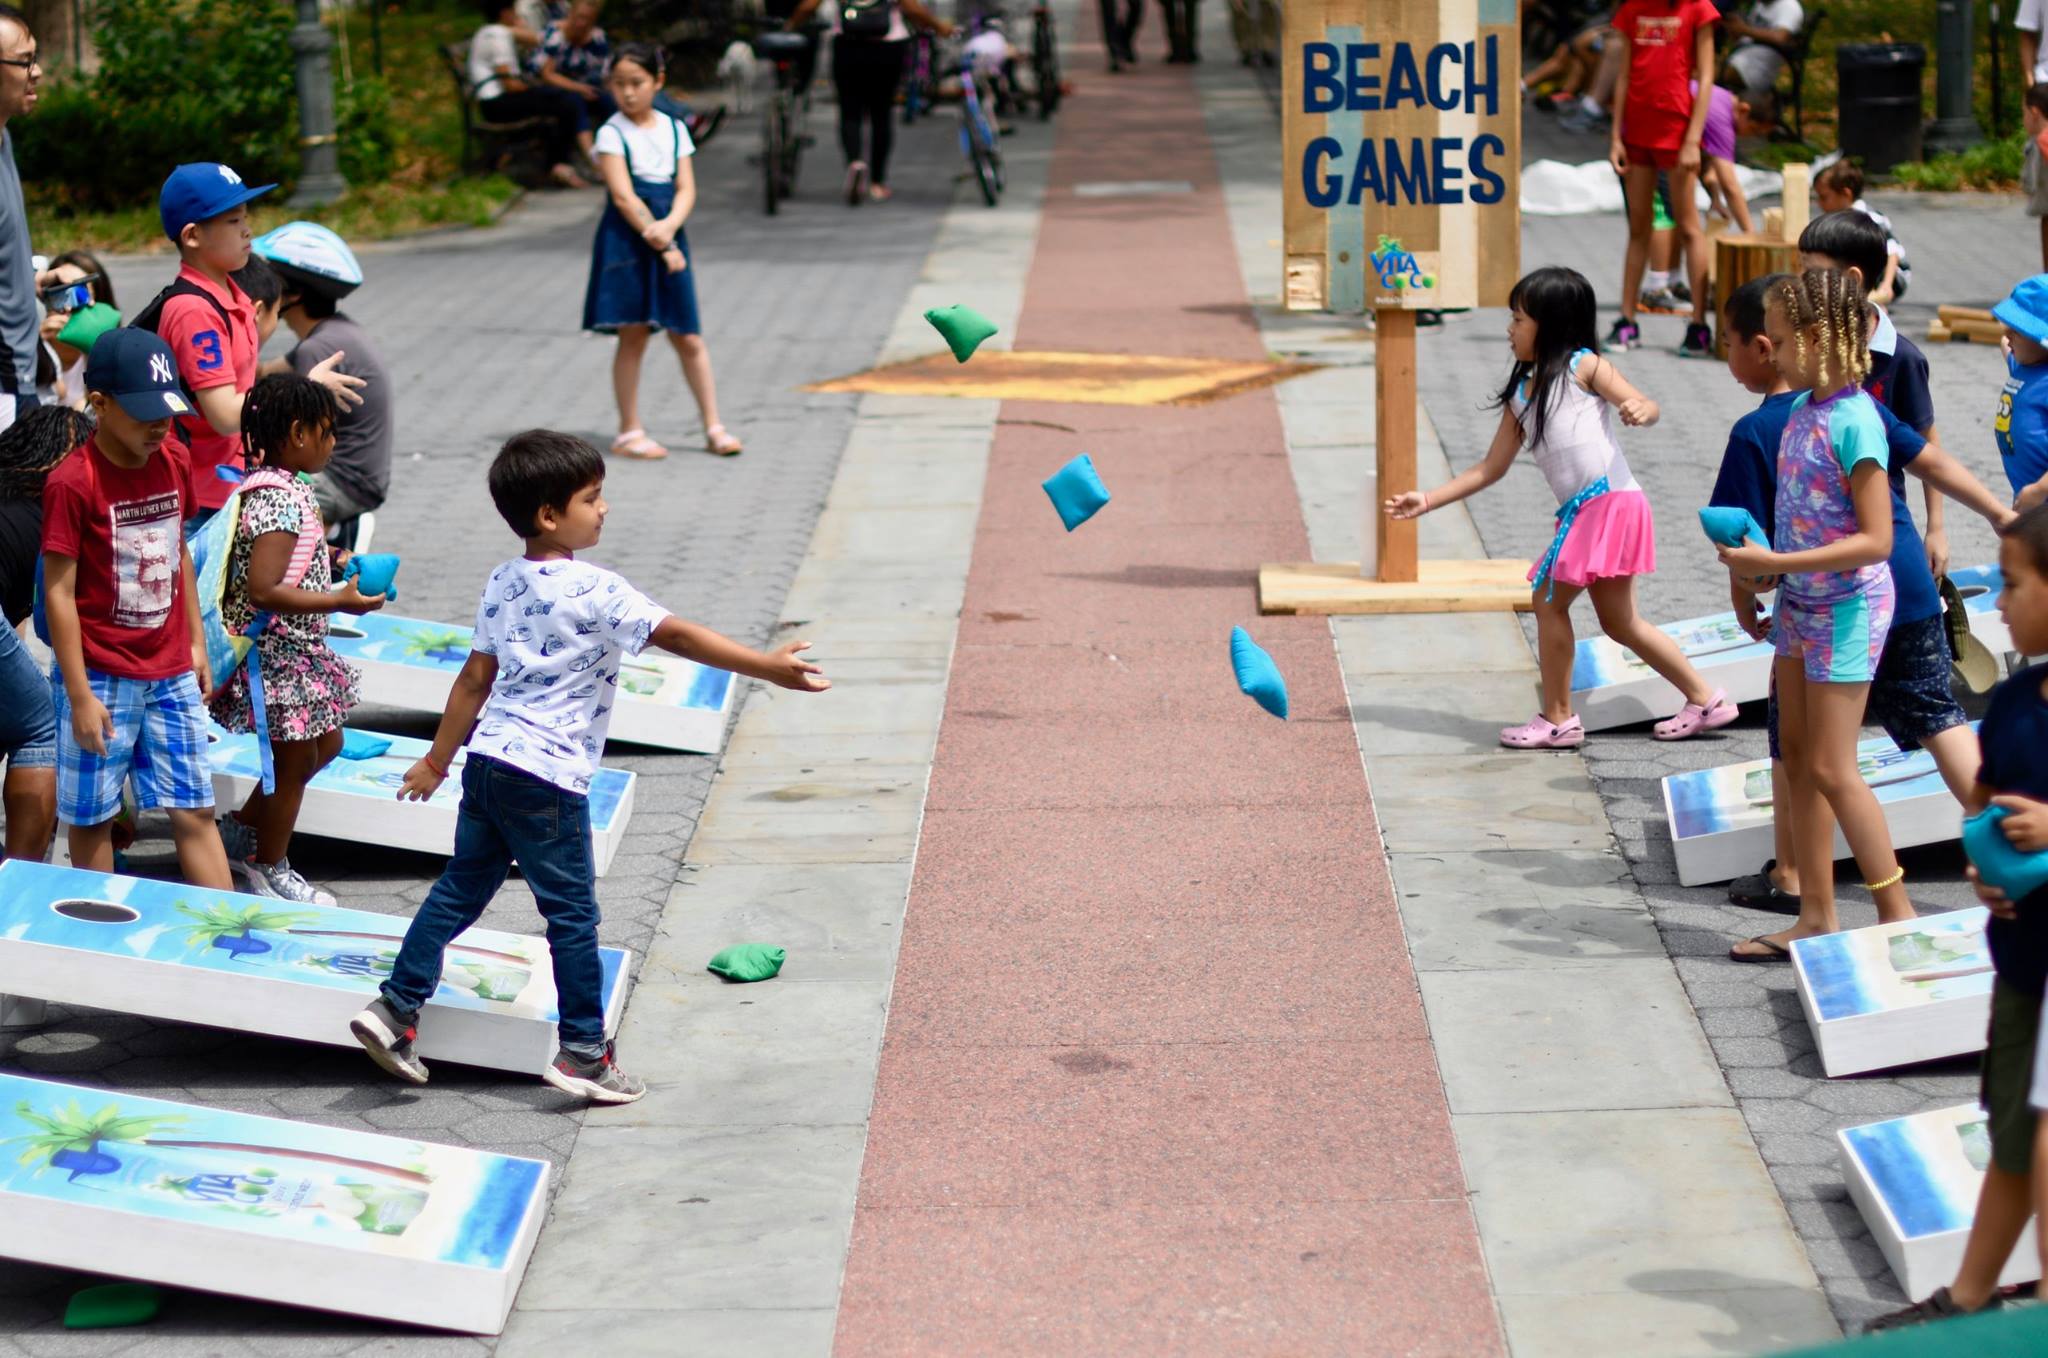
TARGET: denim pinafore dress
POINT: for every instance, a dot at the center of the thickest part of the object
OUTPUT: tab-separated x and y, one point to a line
629	285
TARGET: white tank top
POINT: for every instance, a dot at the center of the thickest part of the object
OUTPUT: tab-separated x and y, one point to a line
1579	443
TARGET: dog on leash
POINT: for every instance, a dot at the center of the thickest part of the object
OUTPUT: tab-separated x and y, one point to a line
736	72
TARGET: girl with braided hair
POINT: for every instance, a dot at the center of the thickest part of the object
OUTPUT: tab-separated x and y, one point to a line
1834	533
29	449
277	565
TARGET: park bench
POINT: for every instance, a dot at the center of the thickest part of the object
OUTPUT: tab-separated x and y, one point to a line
1795	53
485	143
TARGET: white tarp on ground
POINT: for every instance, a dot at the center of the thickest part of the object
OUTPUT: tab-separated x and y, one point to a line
1551	188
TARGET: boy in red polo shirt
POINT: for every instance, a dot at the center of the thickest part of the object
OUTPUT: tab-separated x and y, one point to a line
124	616
210	323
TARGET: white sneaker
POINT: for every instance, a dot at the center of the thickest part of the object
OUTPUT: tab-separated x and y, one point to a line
282	882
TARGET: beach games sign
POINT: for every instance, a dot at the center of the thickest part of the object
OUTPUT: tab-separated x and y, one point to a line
1402	134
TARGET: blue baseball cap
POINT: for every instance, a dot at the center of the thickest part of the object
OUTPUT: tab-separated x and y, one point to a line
135	367
201	192
2026	310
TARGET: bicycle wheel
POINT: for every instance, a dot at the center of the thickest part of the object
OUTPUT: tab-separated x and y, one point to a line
792	149
771	154
986	173
1045	66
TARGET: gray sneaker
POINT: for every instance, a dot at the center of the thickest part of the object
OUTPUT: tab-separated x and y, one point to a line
387	1036
281	881
238	839
600	1081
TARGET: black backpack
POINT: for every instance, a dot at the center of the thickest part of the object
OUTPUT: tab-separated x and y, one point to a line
865	18
152	315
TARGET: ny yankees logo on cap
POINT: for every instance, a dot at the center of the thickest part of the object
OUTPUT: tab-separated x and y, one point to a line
160	369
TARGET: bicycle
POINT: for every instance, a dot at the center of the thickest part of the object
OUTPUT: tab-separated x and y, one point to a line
979	140
921	78
1045	62
785	115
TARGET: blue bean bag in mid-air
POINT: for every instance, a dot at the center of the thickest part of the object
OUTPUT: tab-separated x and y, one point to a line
1076	491
1257	676
2014	871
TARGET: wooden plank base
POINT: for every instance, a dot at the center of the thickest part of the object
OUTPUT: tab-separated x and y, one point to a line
1444	587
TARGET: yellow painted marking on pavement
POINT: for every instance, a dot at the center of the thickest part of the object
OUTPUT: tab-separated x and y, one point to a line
1082	378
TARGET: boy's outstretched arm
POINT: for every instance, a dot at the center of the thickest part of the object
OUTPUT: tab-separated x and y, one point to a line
706	647
1944	475
465	700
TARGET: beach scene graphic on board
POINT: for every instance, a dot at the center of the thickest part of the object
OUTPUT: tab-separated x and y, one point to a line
1927	1169
1738	796
1903	965
267	1176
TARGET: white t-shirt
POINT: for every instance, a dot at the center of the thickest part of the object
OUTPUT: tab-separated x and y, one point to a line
650	151
2032	16
558	629
491	48
1579	444
1758	64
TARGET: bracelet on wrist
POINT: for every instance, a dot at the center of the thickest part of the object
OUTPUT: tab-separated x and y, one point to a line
428	760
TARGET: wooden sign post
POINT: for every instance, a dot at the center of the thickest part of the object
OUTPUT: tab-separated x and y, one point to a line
1401	181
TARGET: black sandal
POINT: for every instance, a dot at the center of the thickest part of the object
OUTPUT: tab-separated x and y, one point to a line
1759	892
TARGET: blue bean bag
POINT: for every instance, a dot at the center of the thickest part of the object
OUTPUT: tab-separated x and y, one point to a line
2017	873
1727	526
374	573
963	327
1257	676
362	745
1076	491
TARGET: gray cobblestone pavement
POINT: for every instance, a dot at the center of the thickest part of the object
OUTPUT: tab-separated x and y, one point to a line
1966	250
481	333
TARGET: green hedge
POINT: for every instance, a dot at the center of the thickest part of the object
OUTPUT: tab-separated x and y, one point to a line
200	80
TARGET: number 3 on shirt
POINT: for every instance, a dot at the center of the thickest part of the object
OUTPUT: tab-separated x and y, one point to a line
207	342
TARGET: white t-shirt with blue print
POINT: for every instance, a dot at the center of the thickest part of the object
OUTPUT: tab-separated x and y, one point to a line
559	630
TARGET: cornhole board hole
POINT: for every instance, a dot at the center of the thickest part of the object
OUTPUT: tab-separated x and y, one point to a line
264	1208
1611	687
1896	994
1916	1180
253	964
357	799
1720	819
664	701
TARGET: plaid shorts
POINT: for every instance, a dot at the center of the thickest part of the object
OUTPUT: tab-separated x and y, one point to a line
159	738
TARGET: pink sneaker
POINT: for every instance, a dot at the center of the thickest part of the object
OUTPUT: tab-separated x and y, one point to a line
1693	719
1539	734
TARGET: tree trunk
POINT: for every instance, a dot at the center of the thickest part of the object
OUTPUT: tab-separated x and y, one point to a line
60	33
281	1152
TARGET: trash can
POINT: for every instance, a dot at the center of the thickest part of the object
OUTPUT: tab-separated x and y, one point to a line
1877	102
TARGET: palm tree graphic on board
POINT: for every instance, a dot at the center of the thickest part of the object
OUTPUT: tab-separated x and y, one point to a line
75	1141
442	645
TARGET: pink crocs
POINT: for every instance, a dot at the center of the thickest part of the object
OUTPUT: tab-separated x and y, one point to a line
1539	734
1693	719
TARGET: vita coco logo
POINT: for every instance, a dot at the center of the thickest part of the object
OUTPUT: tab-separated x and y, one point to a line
1362	77
1397	268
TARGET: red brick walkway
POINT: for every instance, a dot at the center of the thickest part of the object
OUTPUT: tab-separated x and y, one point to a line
1156	1077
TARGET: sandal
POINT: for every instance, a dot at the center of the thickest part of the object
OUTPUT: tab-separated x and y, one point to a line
1761	891
1539	733
1778	952
718	439
1693	719
856	183
635	444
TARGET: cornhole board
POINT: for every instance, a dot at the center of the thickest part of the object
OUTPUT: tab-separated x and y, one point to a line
1720	819
1916	1181
1896	994
265	1208
258	965
357	799
664	701
1611	687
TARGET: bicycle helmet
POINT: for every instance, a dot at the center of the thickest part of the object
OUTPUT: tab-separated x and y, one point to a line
311	258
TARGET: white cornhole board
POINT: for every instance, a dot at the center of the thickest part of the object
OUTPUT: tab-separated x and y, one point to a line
265	1208
170	951
1916	1181
1720	819
664	700
357	799
1896	994
1611	687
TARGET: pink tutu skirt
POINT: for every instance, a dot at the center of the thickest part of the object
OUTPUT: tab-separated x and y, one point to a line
1613	535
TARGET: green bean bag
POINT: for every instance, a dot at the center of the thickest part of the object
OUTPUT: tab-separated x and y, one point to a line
748	962
112	1305
963	327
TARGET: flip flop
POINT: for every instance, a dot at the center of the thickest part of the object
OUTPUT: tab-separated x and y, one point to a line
1778	952
635	444
718	439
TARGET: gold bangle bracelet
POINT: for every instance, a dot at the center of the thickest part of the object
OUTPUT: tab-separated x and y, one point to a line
1893	880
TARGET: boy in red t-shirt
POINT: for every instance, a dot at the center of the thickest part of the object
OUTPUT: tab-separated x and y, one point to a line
124	616
1667	49
210	323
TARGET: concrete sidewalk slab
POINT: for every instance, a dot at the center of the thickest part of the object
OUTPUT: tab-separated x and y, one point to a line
1510	800
1500	910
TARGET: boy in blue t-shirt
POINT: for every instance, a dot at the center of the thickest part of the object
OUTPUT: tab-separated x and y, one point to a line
2013	775
1911	695
2022	423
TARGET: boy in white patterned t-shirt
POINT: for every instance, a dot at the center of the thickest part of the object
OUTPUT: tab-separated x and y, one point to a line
533	703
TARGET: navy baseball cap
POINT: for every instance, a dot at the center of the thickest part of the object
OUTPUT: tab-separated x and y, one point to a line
200	192
2026	310
135	367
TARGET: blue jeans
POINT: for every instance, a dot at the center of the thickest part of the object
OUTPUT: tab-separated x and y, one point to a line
28	717
511	816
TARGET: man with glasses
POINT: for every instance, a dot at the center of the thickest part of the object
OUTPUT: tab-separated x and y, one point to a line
20	73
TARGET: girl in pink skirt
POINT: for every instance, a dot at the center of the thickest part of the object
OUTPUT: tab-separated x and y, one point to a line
1555	404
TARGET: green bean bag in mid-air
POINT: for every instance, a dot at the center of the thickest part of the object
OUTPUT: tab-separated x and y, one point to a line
964	328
